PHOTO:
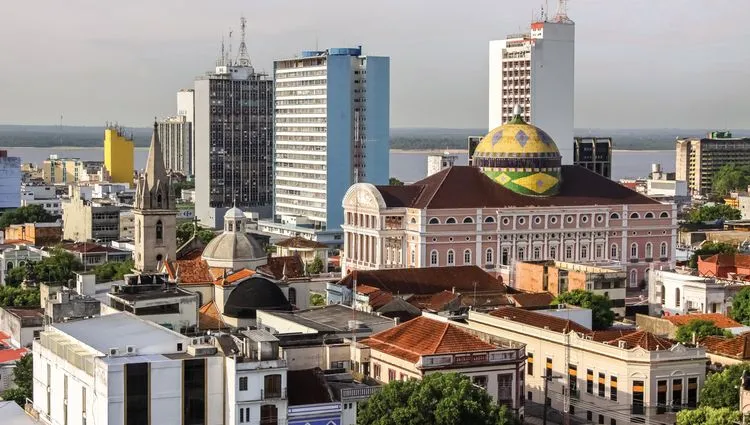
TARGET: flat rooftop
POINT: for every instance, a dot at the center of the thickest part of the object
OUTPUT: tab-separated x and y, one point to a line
335	318
152	294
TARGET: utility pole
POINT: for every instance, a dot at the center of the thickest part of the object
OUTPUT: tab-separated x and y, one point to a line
547	378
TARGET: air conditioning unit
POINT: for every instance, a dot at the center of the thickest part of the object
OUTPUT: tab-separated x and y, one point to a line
196	341
130	349
113	351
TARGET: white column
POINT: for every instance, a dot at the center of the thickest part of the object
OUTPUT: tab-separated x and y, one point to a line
378	251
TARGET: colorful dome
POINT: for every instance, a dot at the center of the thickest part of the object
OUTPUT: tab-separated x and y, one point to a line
521	157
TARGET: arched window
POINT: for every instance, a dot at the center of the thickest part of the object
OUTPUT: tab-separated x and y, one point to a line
662	295
635	215
537	253
413	220
649	215
450	220
229	226
489	219
269	414
599	254
9	266
433	258
434	220
664	214
159	231
634	250
633	278
553	253
613	252
467	256
504	257
584	252
489	256
292	296
663	250
451	257
569	252
521	254
158	200
468	220
649	250
677	297
614	216
413	257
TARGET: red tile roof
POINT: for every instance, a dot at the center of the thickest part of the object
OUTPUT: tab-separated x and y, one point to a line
209	317
643	339
539	320
610	334
274	268
300	242
234	277
366	289
736	260
423	336
436	302
468	187
532	299
737	347
7	353
193	269
379	299
427	280
88	247
718	319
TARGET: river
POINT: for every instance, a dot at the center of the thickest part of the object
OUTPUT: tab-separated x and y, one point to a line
405	166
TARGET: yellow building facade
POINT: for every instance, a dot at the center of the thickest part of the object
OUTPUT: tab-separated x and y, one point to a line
118	155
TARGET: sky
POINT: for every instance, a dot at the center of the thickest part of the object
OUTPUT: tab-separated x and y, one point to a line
639	63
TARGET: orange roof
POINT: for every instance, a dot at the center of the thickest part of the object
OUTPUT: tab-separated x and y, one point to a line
193	270
736	260
539	320
532	299
423	336
737	347
643	339
718	319
9	355
209	317
366	289
234	277
17	242
300	242
435	302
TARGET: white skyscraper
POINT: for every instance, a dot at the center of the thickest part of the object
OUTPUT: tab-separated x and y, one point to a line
536	71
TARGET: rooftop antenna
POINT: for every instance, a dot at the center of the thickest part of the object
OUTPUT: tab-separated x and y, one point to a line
59	135
562	13
222	61
229	55
243	57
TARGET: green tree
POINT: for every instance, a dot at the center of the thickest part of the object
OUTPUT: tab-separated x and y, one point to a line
439	399
185	232
713	213
315	267
741	306
18	297
731	177
59	267
114	270
600	305
16	275
317	300
178	186
23	375
395	182
27	214
710	248
701	328
709	416
720	389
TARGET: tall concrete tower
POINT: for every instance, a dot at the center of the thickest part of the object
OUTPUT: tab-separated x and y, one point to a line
536	71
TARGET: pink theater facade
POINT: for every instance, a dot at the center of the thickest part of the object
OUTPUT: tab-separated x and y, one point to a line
459	217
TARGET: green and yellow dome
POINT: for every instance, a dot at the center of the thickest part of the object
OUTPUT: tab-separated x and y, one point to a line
521	157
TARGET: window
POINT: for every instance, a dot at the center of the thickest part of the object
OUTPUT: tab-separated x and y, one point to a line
692	393
530	364
664	214
467	256
505	389
548	368
376	371
663	250
661	396
584	252
614	216
601	419
589	415
553	253
613	388
589	381
649	215
159	231
480	381
677	393
601	384
599	253
613	252
136	393
413	220
434	220
158	200
391	375
521	254
489	219
635	215
537	253
433	258
468	220
243	383
573	378
413	257
451	257
569	252
633	278
269	415
676	297
488	256
634	250
292	296
450	220
504	254
272	386
649	250
637	408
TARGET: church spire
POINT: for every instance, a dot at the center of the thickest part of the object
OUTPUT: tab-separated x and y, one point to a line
155	170
154	189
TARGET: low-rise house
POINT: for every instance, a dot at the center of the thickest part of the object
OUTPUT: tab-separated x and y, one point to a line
731	266
673	293
16	254
667	326
425	346
37	234
93	254
727	351
21	325
9	355
306	249
616	376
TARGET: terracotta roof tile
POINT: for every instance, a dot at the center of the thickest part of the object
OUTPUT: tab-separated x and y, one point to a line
737	347
192	271
10	355
300	242
366	289
731	260
427	280
379	299
435	302
643	339
209	317
610	334
234	277
87	247
718	319
468	187
424	336
532	299
539	320
274	268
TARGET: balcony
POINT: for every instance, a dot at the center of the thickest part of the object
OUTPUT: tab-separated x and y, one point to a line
273	395
633	260
649	260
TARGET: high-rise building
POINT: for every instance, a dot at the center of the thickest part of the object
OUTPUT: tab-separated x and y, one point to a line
536	71
155	213
176	137
56	170
10	181
118	155
332	130
594	153
186	108
697	160
471	144
233	140
439	162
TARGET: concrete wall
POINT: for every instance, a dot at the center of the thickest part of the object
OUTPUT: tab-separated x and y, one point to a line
655	325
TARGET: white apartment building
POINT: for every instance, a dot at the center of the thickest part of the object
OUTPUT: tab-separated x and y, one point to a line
10	181
536	71
332	130
677	293
176	137
612	376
